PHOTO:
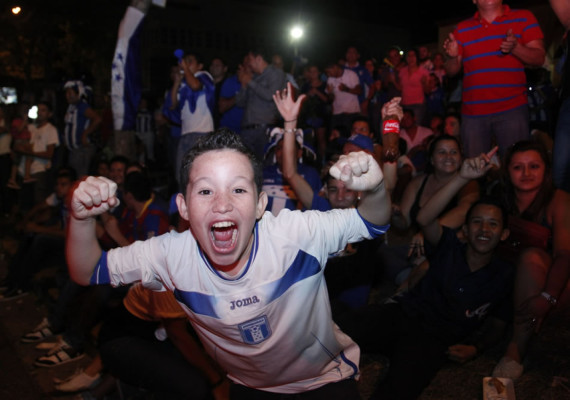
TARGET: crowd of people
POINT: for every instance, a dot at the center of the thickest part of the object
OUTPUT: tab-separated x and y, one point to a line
237	241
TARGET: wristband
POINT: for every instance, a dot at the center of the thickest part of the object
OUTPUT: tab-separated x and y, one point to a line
551	299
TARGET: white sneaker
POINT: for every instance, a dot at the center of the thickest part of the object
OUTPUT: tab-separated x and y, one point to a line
78	381
508	368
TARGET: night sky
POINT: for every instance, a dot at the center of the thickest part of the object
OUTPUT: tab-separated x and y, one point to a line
419	17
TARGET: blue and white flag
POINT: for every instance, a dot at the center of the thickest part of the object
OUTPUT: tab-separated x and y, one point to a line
126	80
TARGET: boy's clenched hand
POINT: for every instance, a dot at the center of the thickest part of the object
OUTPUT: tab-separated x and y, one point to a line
93	197
358	170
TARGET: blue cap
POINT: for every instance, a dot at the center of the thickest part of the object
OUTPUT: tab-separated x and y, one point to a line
364	142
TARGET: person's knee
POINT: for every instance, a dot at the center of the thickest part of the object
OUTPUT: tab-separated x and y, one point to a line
534	261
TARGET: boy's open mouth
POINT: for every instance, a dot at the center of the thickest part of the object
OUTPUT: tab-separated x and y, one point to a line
224	235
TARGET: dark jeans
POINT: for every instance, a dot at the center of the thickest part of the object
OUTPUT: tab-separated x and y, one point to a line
507	128
80	308
131	353
415	356
342	390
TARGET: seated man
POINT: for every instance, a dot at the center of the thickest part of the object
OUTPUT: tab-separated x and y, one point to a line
43	244
78	309
251	283
461	305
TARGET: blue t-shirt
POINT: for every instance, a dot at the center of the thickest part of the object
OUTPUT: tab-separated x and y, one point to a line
231	118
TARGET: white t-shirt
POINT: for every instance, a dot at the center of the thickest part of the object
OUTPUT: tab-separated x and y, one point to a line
201	119
40	139
421	134
271	326
344	102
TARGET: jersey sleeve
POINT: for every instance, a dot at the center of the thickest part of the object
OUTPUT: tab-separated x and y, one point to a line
144	261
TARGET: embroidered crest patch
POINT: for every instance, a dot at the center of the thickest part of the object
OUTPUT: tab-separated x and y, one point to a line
255	331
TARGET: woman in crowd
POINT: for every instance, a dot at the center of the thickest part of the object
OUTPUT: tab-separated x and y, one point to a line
413	84
539	221
445	159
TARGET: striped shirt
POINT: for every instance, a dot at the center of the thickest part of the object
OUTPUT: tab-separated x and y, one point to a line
494	82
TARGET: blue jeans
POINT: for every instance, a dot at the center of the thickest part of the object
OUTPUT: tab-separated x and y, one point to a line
561	150
509	127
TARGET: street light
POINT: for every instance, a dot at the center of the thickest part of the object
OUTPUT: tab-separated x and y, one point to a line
16	10
296	32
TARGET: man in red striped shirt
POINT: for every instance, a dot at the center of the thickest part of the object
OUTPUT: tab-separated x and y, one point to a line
493	48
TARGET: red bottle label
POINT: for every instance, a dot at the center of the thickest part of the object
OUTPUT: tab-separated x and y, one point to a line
390	126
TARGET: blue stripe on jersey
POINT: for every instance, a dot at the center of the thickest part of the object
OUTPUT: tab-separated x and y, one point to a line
491	101
304	266
350	363
509	21
488	70
374	230
199	303
469	28
100	274
531	26
484	39
489	54
498	85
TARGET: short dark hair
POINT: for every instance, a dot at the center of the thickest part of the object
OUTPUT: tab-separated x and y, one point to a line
121	159
261	51
492	201
66	172
221	139
47	104
138	185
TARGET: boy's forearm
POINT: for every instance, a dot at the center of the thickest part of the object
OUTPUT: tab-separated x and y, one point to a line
82	249
375	206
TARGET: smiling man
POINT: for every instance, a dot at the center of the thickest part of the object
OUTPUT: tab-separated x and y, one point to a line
251	283
460	306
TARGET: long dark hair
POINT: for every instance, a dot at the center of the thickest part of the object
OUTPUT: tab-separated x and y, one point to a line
535	212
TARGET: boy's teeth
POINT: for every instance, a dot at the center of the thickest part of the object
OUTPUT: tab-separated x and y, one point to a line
224	224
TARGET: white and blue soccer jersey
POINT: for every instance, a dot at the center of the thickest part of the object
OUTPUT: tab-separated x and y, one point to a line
270	327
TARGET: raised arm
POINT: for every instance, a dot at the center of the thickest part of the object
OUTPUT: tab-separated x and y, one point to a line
472	168
91	197
390	168
562	10
361	173
289	110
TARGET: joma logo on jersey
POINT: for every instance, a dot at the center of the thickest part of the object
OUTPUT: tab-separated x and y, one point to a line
248	301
